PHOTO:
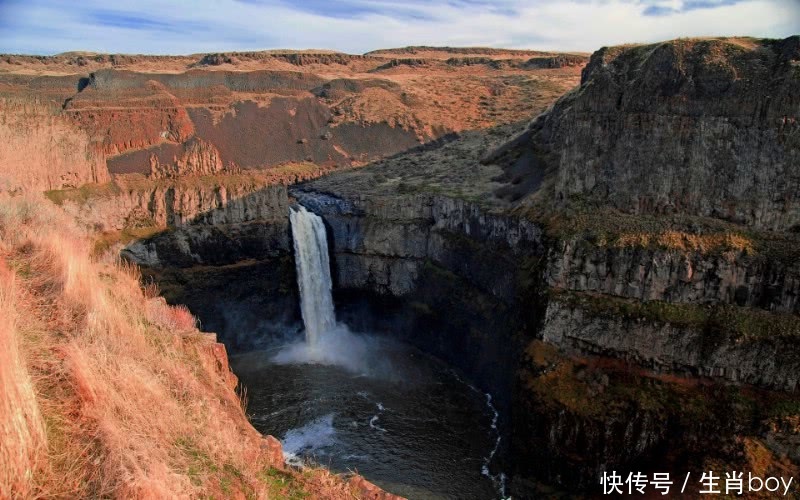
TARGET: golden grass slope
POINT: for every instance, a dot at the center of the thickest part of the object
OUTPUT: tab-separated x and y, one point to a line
106	391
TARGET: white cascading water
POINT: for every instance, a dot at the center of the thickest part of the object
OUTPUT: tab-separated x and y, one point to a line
313	274
327	342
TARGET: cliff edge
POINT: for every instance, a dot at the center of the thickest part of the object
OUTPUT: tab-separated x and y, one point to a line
704	127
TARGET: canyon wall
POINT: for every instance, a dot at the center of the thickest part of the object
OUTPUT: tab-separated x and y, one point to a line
163	205
42	150
650	315
603	348
703	127
729	276
222	250
436	271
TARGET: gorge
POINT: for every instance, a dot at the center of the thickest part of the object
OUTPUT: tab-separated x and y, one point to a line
359	402
505	310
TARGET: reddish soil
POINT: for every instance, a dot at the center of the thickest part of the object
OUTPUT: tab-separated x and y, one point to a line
262	109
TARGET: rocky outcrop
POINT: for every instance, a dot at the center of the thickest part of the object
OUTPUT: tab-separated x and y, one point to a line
729	277
387	245
197	157
556	61
222	250
399	262
578	417
634	373
166	205
139	118
40	150
384	243
769	362
703	127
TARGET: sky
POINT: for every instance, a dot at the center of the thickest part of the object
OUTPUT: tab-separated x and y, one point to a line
358	26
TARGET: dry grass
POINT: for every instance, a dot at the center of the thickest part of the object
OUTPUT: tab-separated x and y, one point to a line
683	241
679	240
606	227
105	390
21	425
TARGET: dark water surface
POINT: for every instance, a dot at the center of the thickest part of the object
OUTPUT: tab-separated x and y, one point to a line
412	426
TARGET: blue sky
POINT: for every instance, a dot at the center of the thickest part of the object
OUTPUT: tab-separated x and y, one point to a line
357	26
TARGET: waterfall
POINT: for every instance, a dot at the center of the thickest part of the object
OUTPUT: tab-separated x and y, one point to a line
313	274
327	342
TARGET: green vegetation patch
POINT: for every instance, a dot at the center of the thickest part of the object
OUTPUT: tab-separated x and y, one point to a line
202	469
106	240
606	389
608	227
83	194
282	484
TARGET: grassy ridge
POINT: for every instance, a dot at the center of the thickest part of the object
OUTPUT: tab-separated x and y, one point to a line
106	391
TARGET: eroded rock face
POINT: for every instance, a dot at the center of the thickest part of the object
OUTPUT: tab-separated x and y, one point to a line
173	205
467	281
224	253
259	110
438	272
40	150
704	127
383	243
195	157
676	276
766	362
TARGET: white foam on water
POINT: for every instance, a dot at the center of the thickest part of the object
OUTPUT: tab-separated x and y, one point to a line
305	440
374	425
373	421
499	480
335	347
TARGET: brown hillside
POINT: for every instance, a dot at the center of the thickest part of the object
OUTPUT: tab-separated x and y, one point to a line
106	391
263	109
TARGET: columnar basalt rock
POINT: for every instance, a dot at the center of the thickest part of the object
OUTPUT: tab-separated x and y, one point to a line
384	243
165	205
197	157
41	150
704	127
767	362
676	276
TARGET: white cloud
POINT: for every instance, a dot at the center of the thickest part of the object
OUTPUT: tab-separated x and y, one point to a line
182	26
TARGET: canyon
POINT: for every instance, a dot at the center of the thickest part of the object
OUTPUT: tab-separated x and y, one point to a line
221	113
607	245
